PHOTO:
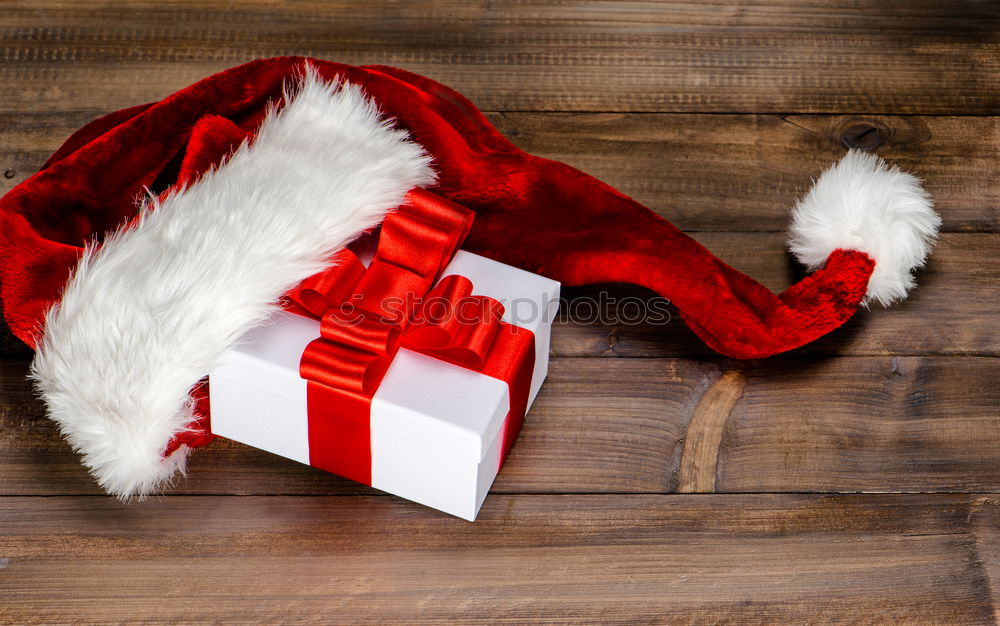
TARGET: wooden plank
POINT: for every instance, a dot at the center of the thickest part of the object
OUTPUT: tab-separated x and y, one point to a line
613	559
952	310
702	172
745	172
781	56
865	425
985	528
621	426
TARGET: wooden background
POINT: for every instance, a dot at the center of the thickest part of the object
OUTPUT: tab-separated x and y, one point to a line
857	479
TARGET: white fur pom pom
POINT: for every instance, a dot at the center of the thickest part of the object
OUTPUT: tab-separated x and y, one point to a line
150	312
861	203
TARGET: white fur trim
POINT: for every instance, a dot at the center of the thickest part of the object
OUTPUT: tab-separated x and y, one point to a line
148	314
861	203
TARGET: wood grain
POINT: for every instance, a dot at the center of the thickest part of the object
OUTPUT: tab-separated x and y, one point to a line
924	56
701	172
951	312
714	114
744	172
621	426
613	559
865	425
985	527
703	439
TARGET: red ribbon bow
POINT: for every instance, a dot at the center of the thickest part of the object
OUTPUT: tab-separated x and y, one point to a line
366	315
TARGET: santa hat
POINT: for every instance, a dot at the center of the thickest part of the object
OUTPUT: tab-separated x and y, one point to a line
157	235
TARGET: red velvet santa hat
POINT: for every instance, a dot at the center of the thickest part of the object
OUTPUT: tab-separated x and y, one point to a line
157	235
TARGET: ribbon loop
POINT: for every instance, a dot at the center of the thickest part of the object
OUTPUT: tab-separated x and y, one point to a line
389	291
454	325
340	367
327	289
365	335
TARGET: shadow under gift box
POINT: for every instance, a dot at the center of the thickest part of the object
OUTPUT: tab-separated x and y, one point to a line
436	428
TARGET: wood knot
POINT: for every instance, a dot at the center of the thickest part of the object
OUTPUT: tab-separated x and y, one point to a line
700	454
8	174
864	135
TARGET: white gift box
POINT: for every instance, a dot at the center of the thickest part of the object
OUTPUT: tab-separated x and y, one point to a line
436	428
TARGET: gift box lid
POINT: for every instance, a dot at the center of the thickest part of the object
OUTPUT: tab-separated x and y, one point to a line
422	399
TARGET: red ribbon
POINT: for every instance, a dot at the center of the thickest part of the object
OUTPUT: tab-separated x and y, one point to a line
366	315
